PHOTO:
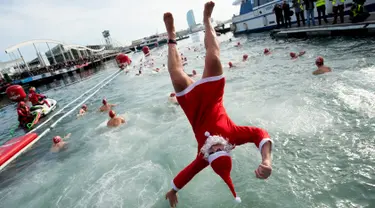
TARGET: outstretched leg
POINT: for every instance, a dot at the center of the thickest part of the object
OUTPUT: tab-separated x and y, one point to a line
180	79
213	65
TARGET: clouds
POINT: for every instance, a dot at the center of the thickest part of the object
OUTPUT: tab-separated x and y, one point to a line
82	21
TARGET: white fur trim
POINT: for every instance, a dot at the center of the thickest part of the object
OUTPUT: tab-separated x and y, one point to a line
216	155
238	199
174	187
263	142
201	81
214	140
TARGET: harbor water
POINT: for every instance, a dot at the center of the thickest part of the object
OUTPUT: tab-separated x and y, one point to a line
323	129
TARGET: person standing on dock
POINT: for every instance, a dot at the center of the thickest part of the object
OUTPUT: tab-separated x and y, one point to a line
286	9
279	15
202	103
338	7
321	8
309	5
300	12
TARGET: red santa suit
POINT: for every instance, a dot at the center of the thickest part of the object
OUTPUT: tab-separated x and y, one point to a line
202	103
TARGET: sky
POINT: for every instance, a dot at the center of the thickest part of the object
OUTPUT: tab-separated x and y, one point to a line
82	21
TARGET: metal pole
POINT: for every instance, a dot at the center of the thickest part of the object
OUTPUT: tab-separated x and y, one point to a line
79	53
61	49
53	56
39	56
15	58
71	54
27	66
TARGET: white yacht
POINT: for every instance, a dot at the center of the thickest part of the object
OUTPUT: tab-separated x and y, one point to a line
258	16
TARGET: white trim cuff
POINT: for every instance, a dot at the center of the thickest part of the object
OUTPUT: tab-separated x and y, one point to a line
263	142
201	81
174	187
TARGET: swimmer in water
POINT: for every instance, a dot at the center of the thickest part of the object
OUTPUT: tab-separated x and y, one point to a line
295	56
83	110
238	44
156	70
58	143
231	64
266	52
106	106
244	57
319	62
215	132
193	74
172	98
114	120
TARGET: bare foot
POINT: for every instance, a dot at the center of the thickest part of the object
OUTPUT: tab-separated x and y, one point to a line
208	8
169	25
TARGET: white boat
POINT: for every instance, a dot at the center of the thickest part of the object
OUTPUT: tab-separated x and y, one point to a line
153	41
44	109
258	16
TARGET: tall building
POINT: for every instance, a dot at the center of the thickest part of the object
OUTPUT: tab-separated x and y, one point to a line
190	19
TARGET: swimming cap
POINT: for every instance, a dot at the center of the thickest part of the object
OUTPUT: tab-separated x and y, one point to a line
230	64
245	56
21	103
319	61
104	101
292	54
112	114
56	139
266	50
32	89
172	94
84	106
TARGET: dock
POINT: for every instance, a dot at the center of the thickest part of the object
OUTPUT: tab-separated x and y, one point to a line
366	28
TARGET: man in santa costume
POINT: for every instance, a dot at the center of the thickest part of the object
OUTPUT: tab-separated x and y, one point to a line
202	102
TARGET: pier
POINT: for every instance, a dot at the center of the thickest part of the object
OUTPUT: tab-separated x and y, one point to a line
360	29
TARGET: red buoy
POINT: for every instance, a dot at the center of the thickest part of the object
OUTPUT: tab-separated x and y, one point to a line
16	93
122	59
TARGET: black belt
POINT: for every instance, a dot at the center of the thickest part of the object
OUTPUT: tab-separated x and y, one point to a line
218	150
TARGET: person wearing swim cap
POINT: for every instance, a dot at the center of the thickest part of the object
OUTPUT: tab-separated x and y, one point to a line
37	99
59	143
114	120
244	57
230	64
24	115
295	56
319	62
172	98
83	110
266	51
106	106
193	73
202	103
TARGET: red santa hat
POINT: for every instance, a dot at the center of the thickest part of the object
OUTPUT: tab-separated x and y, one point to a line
221	161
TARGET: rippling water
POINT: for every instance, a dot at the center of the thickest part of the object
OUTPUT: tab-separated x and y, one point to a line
323	128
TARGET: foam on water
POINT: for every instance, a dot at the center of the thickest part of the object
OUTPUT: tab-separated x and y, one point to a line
323	128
